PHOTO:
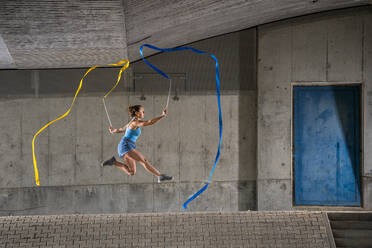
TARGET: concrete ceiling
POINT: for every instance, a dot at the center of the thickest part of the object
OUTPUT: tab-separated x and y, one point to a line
76	33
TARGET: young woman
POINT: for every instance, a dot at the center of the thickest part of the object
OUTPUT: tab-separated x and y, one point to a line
127	146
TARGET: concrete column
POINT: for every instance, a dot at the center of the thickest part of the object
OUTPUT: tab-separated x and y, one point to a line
367	124
274	190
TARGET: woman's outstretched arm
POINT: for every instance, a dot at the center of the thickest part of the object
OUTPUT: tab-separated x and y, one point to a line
118	130
153	121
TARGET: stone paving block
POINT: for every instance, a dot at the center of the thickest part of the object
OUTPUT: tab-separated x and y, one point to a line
239	229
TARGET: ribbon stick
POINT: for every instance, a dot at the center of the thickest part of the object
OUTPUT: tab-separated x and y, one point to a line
119	76
218	100
108	117
68	111
169	92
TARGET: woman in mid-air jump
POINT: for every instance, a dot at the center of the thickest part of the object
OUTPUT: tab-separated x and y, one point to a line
127	146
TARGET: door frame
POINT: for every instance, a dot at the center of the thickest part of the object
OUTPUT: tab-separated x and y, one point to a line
361	141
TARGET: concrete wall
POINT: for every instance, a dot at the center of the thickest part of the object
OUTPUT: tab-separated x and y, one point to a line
255	169
328	48
183	145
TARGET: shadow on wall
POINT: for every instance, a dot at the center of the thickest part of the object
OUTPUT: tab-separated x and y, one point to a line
85	195
247	196
247	170
349	119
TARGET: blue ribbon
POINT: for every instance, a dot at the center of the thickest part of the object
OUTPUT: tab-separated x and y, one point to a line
218	99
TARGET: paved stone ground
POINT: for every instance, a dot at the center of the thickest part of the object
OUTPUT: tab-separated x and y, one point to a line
241	229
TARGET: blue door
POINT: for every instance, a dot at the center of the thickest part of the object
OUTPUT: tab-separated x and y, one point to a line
326	145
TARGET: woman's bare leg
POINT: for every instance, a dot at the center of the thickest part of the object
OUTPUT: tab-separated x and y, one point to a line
131	164
137	156
123	167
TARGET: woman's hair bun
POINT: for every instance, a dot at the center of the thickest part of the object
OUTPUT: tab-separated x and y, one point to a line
133	109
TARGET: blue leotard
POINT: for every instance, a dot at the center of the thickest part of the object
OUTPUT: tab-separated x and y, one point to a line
132	134
128	141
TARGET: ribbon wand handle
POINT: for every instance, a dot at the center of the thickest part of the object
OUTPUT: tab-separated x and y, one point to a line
108	117
169	91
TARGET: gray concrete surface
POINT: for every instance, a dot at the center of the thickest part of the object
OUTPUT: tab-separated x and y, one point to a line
332	48
125	198
241	229
6	60
183	145
69	154
367	97
65	34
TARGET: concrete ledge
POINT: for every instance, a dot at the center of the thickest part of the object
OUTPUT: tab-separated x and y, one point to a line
127	198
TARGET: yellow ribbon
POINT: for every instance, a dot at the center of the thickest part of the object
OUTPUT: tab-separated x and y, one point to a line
68	111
